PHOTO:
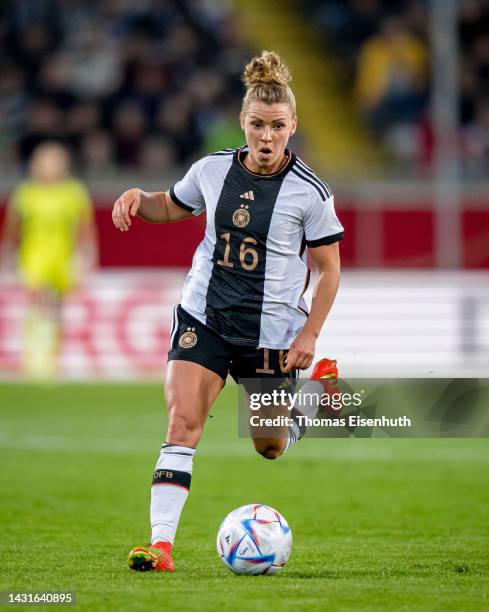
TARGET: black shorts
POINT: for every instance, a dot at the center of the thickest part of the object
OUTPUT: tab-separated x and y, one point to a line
193	341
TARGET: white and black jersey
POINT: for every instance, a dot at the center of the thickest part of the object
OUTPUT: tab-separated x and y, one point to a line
249	273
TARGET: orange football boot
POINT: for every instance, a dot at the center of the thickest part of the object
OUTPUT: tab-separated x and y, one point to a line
155	557
326	372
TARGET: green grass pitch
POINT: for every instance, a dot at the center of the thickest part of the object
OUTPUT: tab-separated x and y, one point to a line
377	524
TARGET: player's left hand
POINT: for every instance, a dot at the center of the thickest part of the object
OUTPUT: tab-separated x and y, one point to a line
301	352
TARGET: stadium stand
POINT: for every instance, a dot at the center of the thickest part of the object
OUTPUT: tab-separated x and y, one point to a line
141	86
381	49
126	85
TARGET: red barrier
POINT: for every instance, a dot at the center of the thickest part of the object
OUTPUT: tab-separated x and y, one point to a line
146	244
386	237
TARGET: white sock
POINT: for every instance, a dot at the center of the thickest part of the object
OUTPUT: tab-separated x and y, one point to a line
310	396
169	492
308	405
295	432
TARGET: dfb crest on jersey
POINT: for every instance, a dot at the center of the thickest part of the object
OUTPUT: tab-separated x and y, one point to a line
188	339
241	217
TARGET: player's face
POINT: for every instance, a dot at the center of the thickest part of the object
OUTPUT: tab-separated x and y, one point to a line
50	163
267	128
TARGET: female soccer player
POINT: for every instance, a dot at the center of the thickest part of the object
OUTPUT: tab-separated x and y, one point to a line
242	309
50	224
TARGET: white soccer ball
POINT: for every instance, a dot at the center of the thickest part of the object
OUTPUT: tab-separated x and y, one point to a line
254	539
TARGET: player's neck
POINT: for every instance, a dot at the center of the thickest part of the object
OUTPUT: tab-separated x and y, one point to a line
253	166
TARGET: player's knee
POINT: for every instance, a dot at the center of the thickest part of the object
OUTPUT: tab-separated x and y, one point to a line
183	425
270	451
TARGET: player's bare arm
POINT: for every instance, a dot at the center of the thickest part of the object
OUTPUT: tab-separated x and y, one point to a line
326	258
154	207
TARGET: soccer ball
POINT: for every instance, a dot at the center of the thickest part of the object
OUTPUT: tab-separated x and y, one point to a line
254	539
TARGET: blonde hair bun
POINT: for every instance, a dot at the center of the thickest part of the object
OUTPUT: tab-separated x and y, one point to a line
266	68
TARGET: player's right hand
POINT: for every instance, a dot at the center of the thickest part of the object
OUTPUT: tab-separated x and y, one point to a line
125	208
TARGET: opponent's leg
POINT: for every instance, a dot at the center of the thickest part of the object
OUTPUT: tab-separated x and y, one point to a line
41	333
190	391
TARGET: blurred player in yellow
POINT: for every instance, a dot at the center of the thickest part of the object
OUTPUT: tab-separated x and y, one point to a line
49	224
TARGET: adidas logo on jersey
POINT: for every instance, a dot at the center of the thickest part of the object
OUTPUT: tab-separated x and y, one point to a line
248	195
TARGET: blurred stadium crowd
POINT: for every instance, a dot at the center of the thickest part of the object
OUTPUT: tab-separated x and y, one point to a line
382	49
154	83
124	84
